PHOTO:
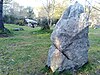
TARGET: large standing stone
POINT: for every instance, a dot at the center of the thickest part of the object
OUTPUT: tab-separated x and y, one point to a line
69	47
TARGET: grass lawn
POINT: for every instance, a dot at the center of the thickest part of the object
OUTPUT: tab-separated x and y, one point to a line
25	52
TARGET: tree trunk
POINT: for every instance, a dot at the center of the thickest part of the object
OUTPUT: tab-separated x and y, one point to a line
1	15
46	27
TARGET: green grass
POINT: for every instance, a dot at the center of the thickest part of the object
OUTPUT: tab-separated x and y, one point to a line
25	52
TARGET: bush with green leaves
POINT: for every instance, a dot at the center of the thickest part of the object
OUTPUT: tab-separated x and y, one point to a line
20	22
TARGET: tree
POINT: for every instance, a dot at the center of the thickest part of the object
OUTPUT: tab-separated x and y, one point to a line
1	15
93	12
49	8
1	12
6	6
46	13
12	10
53	10
59	8
30	12
7	1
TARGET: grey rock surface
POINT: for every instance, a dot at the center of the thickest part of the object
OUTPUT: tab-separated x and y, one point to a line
18	29
69	38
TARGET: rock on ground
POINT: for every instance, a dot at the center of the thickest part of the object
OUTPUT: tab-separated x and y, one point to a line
18	29
69	38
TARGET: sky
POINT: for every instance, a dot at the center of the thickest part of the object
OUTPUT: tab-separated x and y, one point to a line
38	3
32	3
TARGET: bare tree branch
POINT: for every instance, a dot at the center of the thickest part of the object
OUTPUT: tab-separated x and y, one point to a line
93	6
96	8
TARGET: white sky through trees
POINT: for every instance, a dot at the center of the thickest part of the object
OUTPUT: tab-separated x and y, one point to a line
38	3
32	3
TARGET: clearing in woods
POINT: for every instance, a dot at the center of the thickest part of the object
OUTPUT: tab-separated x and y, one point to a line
25	52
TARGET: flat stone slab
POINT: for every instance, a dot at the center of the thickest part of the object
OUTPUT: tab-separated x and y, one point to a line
18	29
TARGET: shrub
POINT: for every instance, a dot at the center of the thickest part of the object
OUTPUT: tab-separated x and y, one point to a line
9	19
20	22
